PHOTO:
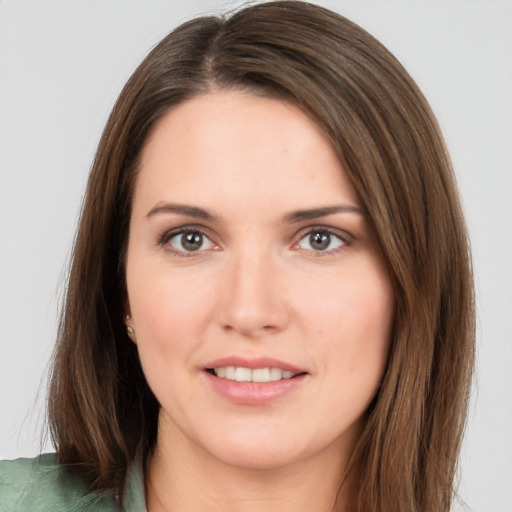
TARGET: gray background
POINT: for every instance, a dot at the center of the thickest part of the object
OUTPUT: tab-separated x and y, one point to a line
62	65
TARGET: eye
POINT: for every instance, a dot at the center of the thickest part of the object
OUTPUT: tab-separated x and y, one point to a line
321	240
189	241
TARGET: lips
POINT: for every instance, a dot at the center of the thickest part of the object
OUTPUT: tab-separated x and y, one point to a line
244	374
244	369
253	381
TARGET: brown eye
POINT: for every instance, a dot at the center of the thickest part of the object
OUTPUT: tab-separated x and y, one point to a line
190	241
320	241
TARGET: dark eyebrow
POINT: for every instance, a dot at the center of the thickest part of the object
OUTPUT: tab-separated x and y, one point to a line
297	216
314	213
182	209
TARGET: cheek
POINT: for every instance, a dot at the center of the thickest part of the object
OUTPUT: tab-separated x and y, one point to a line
165	299
169	309
353	321
164	329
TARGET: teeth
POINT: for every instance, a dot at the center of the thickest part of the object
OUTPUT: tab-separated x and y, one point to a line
261	375
230	373
242	374
276	374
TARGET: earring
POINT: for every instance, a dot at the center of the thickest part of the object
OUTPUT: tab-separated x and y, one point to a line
129	329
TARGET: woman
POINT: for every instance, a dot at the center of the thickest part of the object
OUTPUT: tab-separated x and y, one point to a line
270	301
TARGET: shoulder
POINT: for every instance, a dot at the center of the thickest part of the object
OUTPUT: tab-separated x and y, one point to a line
41	484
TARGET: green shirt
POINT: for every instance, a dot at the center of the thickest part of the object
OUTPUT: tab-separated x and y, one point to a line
43	485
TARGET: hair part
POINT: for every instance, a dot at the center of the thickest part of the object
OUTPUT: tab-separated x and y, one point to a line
101	410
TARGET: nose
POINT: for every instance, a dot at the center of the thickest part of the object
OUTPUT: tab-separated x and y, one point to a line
253	299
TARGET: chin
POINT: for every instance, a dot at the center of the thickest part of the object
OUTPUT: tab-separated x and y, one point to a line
256	457
259	450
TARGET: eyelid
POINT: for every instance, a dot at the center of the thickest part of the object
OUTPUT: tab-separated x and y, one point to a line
166	236
345	237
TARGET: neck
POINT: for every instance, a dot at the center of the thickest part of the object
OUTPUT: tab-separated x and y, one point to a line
179	476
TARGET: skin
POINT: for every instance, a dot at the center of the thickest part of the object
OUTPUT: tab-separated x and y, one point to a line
256	286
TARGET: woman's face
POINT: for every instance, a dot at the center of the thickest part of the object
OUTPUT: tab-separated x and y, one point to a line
261	308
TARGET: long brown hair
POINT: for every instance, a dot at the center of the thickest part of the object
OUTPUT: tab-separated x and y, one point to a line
101	410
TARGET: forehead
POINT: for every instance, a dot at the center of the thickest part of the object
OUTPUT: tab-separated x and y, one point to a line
241	144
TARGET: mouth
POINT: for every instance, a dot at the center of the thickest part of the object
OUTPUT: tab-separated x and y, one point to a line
259	375
254	381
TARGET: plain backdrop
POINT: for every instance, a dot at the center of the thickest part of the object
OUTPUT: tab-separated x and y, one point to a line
62	65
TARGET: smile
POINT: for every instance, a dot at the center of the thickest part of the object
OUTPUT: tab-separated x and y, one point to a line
243	374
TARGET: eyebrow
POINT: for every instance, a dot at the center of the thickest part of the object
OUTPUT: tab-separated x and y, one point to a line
182	209
289	218
315	213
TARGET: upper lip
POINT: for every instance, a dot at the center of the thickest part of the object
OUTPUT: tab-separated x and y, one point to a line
253	363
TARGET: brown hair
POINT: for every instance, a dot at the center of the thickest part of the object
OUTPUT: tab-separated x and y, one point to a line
100	407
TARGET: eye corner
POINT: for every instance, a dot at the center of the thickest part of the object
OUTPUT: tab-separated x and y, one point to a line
322	240
173	242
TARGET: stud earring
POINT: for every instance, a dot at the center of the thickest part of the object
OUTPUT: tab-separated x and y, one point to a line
129	329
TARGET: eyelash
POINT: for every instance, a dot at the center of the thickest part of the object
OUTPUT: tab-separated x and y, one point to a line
344	237
169	235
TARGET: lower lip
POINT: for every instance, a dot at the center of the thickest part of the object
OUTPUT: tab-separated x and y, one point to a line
254	393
